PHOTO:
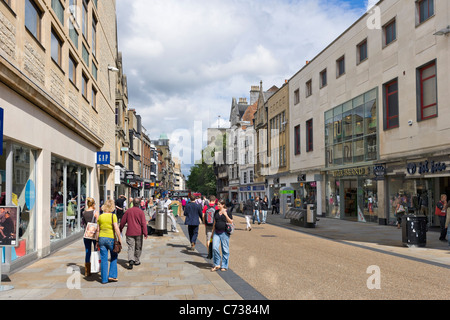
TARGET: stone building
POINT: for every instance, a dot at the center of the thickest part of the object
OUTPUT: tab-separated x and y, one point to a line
57	97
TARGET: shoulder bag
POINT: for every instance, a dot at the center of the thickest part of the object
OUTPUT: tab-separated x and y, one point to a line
117	245
91	229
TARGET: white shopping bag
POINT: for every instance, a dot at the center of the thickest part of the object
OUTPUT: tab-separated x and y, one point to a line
95	262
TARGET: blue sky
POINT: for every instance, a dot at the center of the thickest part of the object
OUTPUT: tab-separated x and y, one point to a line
186	60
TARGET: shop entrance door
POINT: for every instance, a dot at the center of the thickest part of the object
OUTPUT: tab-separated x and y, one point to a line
350	189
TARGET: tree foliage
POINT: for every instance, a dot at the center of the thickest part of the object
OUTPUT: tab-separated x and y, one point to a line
202	179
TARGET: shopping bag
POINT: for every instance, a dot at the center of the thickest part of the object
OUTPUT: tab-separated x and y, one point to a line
210	250
91	231
95	262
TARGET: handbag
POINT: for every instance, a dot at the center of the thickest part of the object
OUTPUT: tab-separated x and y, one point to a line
230	228
95	262
91	229
117	245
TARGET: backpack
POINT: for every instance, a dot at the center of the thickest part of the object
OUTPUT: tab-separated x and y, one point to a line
210	216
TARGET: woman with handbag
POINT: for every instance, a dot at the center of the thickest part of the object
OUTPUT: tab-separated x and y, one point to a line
109	239
89	219
221	237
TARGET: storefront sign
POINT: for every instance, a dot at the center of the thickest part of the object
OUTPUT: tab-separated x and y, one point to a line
426	167
103	158
379	171
363	171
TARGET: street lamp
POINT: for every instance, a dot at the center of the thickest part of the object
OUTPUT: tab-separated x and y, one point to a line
443	32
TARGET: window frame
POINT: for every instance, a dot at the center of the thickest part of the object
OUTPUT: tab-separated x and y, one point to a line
39	14
392	22
420	82
386	96
323	76
362	45
340	68
308	88
55	35
309	135
419	10
297	142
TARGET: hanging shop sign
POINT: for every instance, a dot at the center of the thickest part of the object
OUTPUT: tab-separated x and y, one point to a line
103	158
379	171
426	167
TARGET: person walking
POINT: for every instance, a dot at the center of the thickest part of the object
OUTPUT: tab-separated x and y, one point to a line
134	218
120	203
221	239
108	231
256	209
89	215
167	205
264	207
441	212
248	212
209	211
193	214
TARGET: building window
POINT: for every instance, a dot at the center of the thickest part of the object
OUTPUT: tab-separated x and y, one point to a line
351	131
72	70
297	96
323	78
427	91
33	18
309	136
94	99
390	32
425	9
309	88
56	48
391	107
84	86
297	140
362	51
84	23
340	66
59	10
94	36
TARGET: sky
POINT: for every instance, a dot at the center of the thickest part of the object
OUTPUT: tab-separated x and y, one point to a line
185	60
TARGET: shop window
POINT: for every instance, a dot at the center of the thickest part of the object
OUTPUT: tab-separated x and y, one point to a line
427	92
69	187
23	193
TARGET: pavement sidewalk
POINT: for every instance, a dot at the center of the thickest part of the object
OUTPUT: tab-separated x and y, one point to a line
387	239
168	271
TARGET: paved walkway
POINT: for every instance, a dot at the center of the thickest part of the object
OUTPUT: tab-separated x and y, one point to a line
170	271
167	271
386	239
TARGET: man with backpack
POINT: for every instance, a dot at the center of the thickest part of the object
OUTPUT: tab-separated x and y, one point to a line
193	214
208	218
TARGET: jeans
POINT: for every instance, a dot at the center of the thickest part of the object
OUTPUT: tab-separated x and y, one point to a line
107	244
256	215
264	215
88	246
247	219
221	240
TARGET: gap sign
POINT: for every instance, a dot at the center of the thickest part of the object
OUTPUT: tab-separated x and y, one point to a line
103	158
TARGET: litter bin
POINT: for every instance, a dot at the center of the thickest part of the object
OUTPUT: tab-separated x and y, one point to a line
174	209
310	221
414	230
161	220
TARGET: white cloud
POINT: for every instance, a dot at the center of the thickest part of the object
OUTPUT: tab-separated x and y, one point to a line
187	59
